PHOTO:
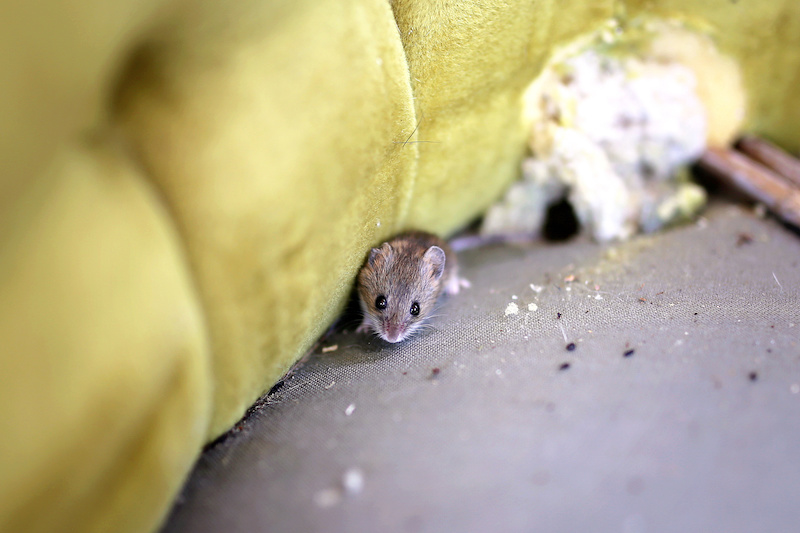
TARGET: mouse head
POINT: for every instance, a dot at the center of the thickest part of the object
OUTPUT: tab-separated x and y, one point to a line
398	288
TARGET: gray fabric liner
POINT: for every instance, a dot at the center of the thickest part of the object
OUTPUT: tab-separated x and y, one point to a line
677	437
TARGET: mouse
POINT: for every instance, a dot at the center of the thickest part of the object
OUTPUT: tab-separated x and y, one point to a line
400	282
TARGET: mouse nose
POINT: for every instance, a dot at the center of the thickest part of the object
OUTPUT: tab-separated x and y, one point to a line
394	332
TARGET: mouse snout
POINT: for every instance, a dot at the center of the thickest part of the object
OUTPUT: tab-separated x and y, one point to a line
393	331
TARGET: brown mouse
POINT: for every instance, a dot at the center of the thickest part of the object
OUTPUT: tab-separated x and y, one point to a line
400	282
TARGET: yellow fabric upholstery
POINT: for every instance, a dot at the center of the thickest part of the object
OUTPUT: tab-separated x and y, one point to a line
275	140
188	187
104	361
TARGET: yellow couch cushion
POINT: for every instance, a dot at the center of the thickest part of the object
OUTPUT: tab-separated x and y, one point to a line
275	135
105	367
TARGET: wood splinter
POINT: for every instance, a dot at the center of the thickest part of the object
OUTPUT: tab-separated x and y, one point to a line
771	157
772	185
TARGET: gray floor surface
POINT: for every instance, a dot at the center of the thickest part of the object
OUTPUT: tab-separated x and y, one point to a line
487	422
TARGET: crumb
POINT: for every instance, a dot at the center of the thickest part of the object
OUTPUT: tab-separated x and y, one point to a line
435	372
564	366
642	300
571	347
512	309
532	307
353	481
331	385
333	348
350	409
628	353
513	296
570	278
536	288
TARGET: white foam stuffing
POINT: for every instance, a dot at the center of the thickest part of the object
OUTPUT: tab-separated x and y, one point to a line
613	135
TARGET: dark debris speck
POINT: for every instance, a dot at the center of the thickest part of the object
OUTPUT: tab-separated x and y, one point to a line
753	376
743	238
628	353
571	346
564	366
278	386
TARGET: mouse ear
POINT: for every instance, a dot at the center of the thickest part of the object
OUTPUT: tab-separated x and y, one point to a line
436	258
385	249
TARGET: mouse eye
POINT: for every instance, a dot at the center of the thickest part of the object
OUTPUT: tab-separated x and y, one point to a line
415	309
380	302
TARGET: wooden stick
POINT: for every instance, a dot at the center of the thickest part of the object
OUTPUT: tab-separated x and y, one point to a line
771	157
756	181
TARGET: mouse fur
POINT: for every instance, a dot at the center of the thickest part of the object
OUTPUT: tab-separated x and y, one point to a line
400	282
